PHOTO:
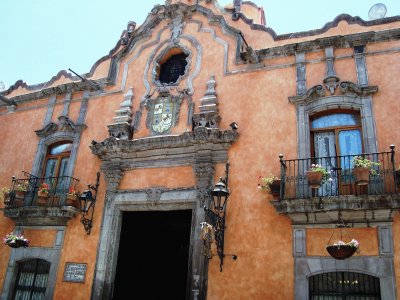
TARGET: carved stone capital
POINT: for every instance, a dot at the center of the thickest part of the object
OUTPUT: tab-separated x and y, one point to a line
113	177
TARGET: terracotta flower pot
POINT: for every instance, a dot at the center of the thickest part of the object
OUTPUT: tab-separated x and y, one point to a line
71	201
314	179
361	175
42	198
275	187
20	194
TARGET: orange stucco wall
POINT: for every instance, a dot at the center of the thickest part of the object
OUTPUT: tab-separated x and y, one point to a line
258	102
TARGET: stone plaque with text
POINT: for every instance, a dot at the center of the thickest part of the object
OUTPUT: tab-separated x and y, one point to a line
75	272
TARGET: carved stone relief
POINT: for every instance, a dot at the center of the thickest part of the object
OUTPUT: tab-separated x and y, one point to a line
163	112
65	125
205	175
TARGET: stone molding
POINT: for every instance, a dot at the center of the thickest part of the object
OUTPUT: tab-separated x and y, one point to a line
202	145
161	56
358	211
347	88
41	216
215	139
65	125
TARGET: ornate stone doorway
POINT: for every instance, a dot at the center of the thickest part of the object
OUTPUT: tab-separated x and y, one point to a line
153	255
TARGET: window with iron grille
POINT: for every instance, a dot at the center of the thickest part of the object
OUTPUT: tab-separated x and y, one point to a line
31	279
172	68
344	286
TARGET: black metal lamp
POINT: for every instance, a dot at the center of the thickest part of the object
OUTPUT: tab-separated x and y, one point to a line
216	214
87	203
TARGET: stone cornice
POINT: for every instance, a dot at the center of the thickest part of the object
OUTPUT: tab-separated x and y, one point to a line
189	148
338	41
347	88
47	92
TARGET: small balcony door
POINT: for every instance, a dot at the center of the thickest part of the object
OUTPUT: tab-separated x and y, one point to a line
55	170
335	136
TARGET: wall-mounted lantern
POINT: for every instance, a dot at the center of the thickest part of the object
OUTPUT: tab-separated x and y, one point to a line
217	211
87	203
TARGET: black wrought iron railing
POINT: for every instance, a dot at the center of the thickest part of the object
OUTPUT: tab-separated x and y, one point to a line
25	191
340	180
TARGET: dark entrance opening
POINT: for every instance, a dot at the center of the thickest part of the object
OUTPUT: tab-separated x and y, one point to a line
153	255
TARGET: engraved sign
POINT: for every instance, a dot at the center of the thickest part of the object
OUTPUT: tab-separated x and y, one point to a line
75	272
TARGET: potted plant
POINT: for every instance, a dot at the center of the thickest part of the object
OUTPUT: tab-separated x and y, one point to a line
362	168
15	241
342	250
20	189
271	183
71	198
316	176
43	193
4	195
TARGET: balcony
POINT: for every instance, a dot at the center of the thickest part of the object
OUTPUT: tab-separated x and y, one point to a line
25	207
377	200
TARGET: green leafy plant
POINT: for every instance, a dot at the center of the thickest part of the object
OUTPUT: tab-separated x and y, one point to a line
265	182
363	162
4	193
22	186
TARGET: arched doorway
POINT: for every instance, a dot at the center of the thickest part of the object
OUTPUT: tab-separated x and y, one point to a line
344	286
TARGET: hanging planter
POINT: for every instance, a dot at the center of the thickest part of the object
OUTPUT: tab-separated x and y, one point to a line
15	241
342	250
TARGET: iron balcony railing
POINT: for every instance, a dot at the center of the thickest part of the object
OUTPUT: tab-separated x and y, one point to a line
24	192
341	181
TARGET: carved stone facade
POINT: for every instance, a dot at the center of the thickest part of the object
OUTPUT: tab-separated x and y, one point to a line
161	145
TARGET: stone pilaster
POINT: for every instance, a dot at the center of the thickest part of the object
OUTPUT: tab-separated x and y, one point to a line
113	178
204	176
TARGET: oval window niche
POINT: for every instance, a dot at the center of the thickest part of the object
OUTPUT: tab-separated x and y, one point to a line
171	66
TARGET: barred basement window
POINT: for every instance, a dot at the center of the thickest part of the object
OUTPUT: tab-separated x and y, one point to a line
173	68
31	282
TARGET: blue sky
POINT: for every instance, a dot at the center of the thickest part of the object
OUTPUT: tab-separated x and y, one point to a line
41	37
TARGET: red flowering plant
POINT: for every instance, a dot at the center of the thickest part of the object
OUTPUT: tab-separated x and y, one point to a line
71	191
44	188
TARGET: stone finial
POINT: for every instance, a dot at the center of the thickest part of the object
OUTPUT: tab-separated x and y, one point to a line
121	128
208	116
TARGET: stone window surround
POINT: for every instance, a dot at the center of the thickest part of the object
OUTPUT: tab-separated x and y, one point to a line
381	266
50	254
361	104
